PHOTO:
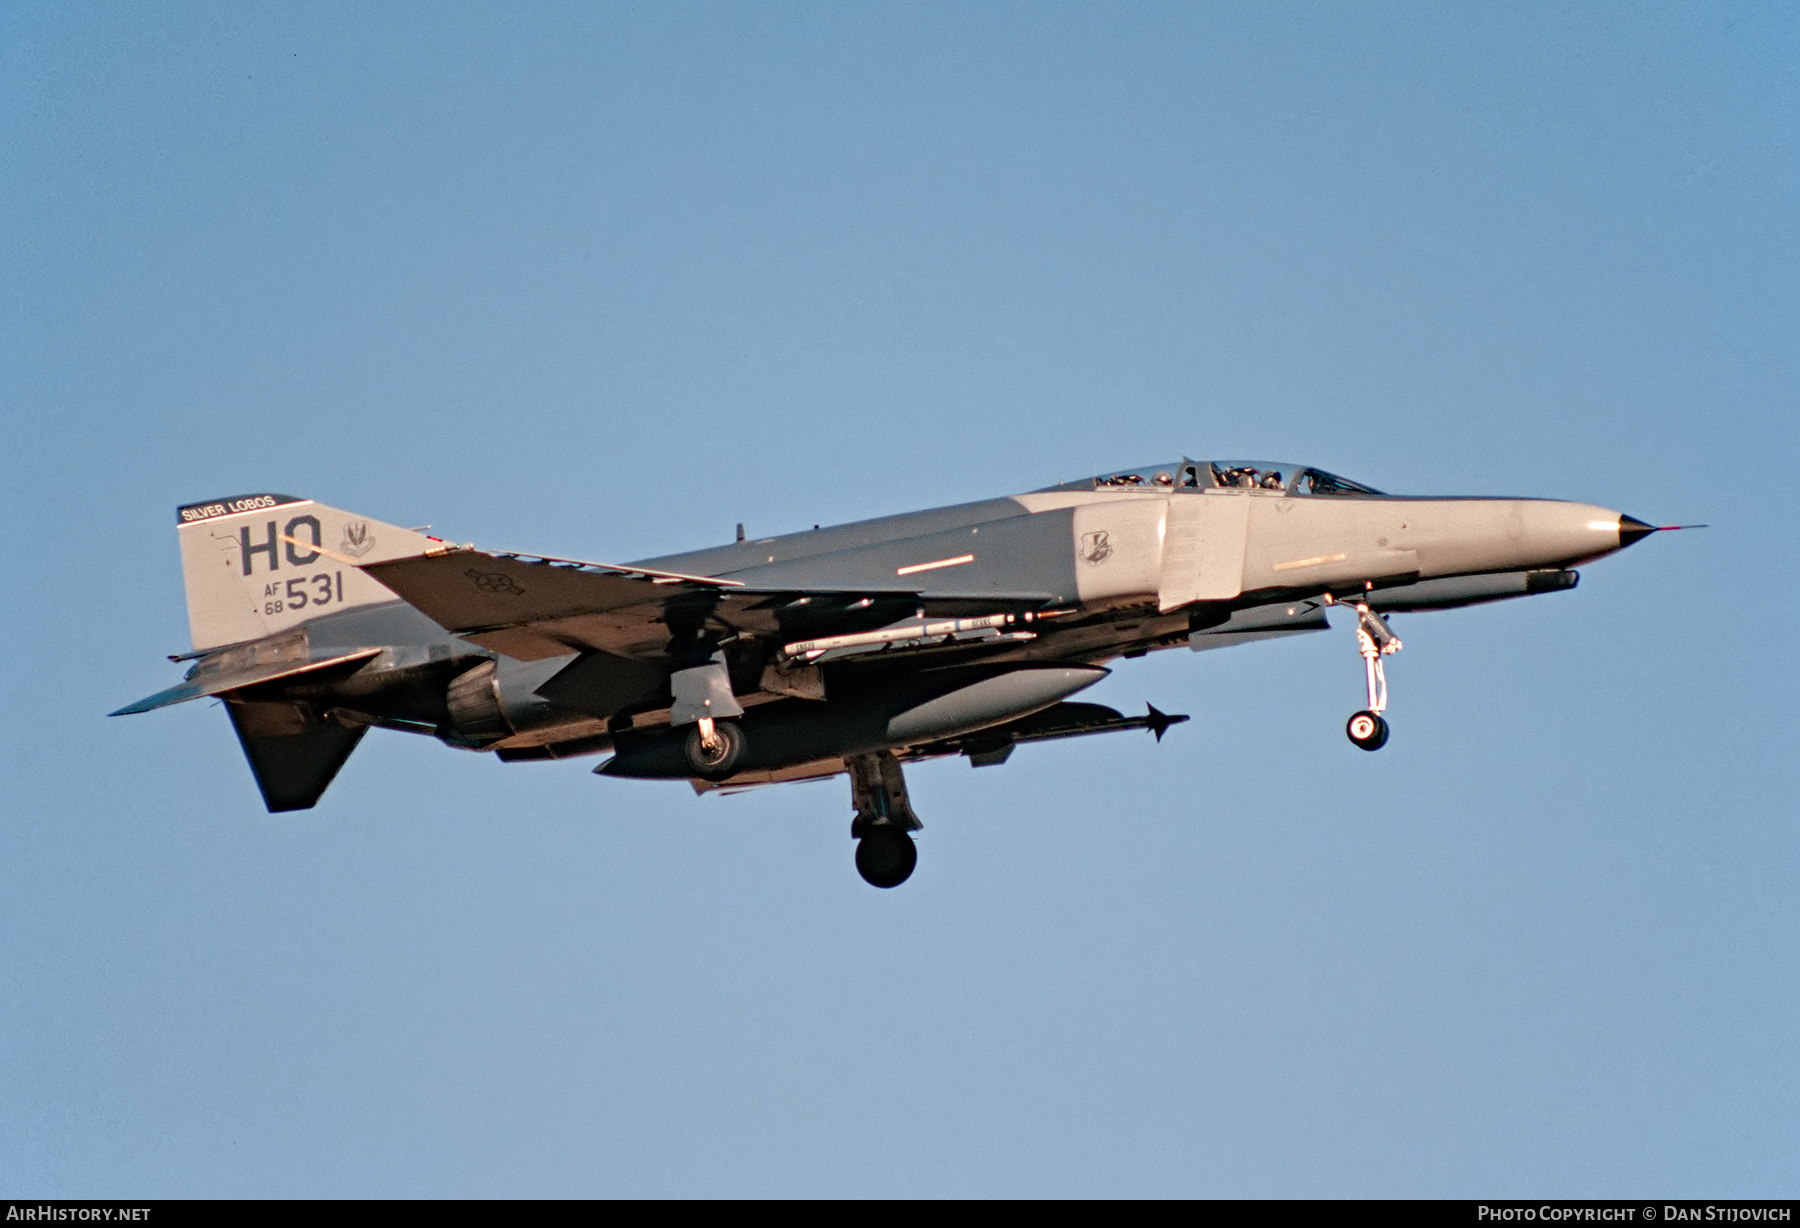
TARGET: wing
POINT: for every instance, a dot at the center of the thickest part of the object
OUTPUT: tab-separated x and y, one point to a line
530	607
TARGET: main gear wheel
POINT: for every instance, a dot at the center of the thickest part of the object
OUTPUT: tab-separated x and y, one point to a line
886	857
716	756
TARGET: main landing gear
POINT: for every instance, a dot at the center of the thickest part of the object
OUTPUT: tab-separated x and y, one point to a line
703	698
885	852
714	748
1374	640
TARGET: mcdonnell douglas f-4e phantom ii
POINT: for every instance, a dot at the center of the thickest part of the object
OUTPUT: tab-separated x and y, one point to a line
957	631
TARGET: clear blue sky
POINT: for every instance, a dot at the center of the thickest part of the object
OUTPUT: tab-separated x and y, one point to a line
603	281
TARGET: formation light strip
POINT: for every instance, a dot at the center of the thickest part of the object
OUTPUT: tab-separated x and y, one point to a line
1321	560
958	561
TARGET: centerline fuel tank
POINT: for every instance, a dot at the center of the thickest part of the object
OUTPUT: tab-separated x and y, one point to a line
925	707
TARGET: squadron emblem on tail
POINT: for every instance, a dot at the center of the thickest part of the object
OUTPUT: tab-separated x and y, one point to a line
357	540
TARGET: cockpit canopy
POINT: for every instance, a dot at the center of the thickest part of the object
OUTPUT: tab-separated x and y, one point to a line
1271	476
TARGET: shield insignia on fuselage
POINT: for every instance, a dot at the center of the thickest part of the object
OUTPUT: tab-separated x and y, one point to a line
1096	547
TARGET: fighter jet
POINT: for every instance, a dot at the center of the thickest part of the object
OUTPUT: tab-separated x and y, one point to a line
852	649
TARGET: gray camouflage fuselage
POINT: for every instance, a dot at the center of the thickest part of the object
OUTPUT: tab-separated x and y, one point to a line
822	645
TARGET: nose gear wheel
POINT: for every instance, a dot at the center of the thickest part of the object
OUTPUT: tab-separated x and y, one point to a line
1368	729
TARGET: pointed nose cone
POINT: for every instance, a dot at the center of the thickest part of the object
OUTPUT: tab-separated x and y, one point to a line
1631	529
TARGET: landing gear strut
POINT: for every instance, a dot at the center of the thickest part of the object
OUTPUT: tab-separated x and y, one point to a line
1374	640
885	852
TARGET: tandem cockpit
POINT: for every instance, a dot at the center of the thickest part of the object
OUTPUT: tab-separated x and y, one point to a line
1270	477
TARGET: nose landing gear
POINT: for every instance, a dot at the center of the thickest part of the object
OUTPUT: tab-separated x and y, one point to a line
1367	730
885	852
1374	640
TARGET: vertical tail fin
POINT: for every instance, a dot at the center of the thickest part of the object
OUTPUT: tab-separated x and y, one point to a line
259	564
